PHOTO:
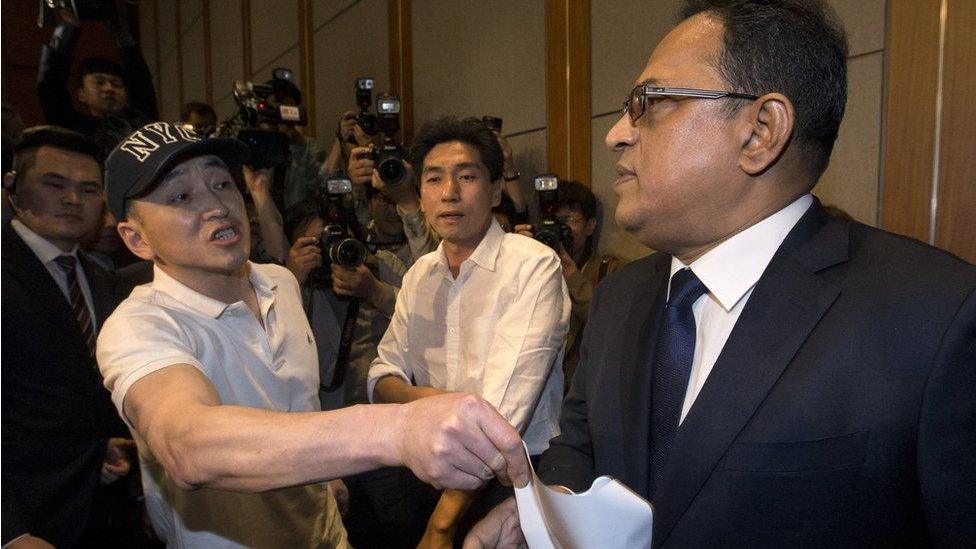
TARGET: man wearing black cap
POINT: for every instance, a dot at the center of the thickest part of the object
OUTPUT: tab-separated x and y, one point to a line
116	98
203	361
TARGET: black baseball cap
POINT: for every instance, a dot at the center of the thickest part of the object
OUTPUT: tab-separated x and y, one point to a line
136	164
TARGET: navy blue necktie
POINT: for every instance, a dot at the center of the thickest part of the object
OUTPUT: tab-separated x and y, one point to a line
673	357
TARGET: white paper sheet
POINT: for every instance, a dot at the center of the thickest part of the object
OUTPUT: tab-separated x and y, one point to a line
608	515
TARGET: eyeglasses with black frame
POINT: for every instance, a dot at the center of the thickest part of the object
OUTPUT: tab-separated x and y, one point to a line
636	104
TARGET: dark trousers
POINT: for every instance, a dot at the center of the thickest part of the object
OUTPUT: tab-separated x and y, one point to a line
118	517
390	507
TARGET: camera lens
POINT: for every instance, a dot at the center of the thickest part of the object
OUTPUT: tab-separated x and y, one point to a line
349	253
391	171
548	238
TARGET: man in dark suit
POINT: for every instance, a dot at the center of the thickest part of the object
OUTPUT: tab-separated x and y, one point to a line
773	377
57	416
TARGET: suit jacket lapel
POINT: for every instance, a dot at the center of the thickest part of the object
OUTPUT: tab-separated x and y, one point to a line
636	347
23	265
786	304
102	289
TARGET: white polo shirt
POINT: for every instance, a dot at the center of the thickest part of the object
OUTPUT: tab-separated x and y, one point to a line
272	368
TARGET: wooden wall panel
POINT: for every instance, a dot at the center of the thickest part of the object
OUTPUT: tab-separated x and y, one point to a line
207	54
910	117
306	50
568	70
246	45
351	43
954	229
401	62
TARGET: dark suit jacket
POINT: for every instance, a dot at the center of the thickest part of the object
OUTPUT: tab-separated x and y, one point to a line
56	414
841	411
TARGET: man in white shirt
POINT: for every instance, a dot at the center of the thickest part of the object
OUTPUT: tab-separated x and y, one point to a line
775	377
486	313
214	367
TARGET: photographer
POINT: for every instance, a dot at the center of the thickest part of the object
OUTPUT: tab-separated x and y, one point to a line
582	268
116	98
348	136
379	509
374	284
268	243
297	181
420	238
510	180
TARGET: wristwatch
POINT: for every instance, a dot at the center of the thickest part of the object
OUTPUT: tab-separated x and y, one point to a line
515	177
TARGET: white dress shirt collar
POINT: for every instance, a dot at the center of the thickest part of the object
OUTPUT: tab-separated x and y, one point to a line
42	248
730	269
263	288
484	255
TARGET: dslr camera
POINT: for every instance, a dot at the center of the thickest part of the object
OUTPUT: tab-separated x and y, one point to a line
550	231
364	99
256	105
337	242
389	158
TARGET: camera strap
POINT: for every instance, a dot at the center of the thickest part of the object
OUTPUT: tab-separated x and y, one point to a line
604	268
345	347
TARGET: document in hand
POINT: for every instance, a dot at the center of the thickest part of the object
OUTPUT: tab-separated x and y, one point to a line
608	515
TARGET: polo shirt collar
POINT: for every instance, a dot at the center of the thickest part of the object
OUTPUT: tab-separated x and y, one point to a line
264	289
732	268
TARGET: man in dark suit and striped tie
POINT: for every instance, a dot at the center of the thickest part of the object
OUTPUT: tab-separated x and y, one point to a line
58	454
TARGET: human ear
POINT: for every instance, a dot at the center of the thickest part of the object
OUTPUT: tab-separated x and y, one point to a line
590	226
496	193
134	239
769	127
8	181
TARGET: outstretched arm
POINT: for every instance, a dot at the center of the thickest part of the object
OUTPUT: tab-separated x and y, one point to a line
451	440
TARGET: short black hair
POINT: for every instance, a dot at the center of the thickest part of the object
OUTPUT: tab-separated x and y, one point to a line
202	109
793	47
298	216
470	131
92	65
32	139
575	195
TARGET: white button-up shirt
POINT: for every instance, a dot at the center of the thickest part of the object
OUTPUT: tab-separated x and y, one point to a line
48	254
497	330
730	271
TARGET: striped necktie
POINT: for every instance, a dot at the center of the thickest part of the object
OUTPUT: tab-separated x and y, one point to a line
68	263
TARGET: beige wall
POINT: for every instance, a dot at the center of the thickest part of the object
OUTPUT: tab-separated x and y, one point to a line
350	39
485	58
489	57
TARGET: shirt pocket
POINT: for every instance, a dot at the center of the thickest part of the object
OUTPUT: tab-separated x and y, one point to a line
823	454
